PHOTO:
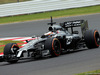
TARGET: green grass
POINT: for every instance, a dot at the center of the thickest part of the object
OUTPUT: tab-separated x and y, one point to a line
55	14
11	1
6	42
96	72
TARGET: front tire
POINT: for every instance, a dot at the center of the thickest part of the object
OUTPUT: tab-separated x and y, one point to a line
92	38
10	52
54	46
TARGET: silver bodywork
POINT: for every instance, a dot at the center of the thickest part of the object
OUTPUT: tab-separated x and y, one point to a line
39	47
31	44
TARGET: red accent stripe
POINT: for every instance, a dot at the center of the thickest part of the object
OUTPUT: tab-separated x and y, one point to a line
15	38
17	43
20	46
21	43
1	53
29	39
2	45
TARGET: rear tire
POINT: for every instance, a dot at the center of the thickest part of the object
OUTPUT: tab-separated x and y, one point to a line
54	46
10	52
92	38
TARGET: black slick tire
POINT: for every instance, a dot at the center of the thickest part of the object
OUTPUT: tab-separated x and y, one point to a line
92	38
54	46
10	51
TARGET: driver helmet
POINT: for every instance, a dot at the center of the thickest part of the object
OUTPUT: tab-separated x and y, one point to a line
55	28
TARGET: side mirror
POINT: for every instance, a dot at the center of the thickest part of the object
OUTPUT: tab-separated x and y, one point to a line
75	32
34	36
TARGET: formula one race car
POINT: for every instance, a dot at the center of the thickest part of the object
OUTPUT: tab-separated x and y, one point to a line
55	42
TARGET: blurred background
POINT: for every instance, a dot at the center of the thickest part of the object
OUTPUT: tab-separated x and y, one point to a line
11	1
14	1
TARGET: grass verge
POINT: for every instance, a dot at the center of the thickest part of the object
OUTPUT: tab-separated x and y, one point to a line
96	72
55	14
6	42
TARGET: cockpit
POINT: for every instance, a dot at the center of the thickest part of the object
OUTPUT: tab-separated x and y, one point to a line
55	28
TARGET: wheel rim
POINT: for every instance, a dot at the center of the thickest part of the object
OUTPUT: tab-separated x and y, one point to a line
14	48
56	47
96	38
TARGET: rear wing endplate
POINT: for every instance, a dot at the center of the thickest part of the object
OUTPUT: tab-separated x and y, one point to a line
84	27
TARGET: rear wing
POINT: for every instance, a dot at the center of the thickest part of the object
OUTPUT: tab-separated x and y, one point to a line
77	23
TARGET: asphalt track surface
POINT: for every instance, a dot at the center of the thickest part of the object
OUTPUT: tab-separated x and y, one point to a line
67	64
